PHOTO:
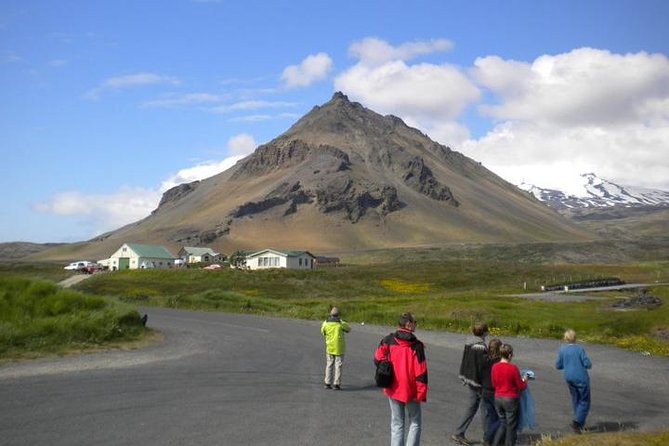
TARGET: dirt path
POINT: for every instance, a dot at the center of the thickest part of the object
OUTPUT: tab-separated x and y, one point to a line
74	280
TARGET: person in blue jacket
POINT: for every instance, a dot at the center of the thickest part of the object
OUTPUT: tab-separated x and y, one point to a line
575	363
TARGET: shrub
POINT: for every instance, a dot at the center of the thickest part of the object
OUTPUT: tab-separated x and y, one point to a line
37	316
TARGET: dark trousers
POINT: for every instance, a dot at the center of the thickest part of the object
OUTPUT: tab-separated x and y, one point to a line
580	401
490	416
471	406
508	410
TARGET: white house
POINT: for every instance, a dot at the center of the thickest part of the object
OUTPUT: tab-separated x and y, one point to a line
273	258
137	256
192	254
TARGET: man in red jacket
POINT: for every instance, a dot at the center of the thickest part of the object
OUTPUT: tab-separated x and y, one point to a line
409	386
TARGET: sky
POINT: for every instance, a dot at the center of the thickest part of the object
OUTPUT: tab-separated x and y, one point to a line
104	105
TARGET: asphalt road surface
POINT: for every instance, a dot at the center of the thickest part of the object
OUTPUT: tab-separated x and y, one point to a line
225	379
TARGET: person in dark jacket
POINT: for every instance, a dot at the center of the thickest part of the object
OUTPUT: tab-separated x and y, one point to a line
575	362
488	394
409	386
474	366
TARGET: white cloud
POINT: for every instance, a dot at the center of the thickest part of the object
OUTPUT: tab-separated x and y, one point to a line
374	51
251	118
171	100
130	80
199	172
584	111
583	87
238	147
252	105
428	96
105	212
313	68
241	144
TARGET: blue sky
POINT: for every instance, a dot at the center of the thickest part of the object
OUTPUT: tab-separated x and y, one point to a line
106	104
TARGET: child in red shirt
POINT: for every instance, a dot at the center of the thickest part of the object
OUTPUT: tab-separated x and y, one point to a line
508	383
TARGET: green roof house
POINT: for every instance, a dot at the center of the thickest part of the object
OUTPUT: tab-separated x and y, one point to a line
139	256
274	258
192	254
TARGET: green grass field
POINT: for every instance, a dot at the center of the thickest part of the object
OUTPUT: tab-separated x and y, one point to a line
38	317
444	294
610	439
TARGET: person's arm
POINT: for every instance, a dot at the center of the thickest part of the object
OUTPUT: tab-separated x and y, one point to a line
345	326
381	352
323	328
520	382
585	360
420	367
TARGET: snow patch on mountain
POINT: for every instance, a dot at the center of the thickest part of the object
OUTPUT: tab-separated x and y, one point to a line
598	192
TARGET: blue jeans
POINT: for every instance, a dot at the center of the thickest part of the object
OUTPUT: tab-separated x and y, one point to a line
397	425
471	406
508	410
490	416
580	400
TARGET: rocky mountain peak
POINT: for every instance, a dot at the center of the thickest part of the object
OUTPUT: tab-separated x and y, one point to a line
344	175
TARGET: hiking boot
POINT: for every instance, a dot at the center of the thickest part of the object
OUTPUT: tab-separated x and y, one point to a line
576	427
328	386
460	439
336	387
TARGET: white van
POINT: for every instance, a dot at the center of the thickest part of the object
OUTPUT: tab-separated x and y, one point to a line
75	266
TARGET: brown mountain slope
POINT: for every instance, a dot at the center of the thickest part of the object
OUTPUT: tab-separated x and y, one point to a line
343	178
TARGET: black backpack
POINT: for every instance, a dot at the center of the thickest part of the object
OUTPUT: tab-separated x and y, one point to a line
384	370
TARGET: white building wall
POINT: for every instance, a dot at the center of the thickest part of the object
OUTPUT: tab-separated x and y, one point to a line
301	262
267	260
136	261
153	262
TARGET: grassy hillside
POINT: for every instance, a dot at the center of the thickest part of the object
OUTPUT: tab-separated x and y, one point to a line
38	317
626	223
596	252
36	270
445	295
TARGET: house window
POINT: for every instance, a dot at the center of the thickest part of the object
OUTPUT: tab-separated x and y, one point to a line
300	261
124	249
275	261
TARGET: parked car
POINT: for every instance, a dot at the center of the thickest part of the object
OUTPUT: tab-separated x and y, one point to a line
76	266
91	268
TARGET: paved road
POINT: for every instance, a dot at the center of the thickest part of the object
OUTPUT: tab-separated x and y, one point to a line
581	294
222	379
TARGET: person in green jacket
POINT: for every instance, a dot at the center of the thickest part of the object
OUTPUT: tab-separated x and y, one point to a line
333	330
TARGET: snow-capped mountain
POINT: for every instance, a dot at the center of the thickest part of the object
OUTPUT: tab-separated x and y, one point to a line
598	192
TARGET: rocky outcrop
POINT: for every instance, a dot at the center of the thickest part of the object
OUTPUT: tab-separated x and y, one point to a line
355	199
285	193
176	193
342	193
280	154
420	178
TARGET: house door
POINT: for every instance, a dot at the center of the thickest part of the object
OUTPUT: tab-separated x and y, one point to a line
123	263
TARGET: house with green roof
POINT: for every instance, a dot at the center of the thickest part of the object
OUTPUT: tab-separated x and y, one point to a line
275	258
139	256
196	254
